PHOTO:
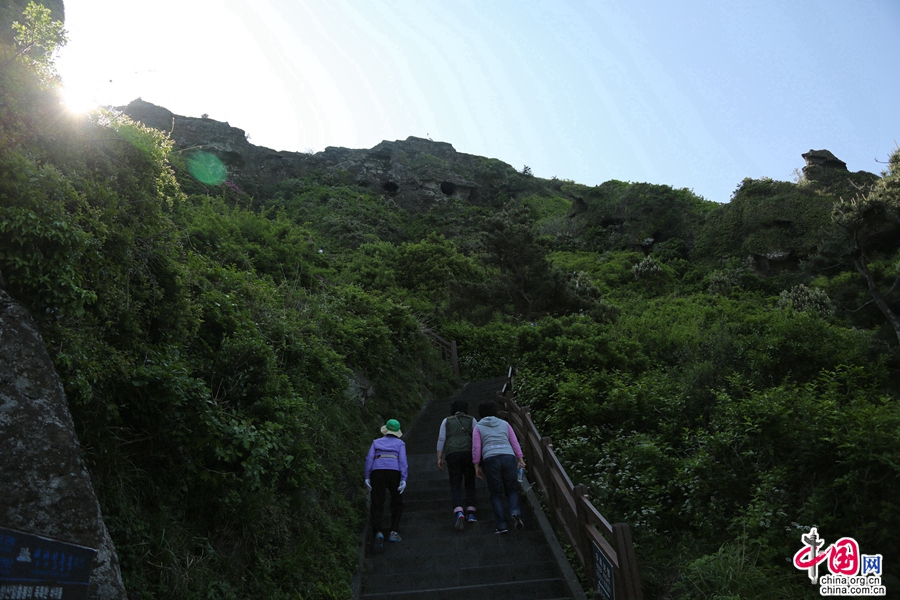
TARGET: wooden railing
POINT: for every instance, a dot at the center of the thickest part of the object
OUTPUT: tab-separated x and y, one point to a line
448	349
605	551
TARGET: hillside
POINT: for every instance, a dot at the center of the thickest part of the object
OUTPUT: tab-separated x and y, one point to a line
232	324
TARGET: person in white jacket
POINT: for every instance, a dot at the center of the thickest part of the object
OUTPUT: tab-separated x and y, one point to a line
497	456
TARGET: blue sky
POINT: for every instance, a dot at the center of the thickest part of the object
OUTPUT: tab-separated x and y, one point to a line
696	93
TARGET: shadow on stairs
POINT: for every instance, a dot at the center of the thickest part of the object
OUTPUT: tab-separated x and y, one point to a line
434	561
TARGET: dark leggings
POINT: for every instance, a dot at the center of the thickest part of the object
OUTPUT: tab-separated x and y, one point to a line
460	468
385	480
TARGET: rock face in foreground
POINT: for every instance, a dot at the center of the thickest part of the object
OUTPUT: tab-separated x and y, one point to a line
45	488
417	173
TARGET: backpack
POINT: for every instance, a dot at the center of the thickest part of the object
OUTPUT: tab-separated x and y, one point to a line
459	437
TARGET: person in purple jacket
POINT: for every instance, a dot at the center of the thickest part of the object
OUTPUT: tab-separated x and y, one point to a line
497	455
386	471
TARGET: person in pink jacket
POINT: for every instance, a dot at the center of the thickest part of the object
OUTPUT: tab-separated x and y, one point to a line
386	472
497	455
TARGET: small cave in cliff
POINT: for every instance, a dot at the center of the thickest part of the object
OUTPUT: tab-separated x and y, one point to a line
390	187
233	159
447	188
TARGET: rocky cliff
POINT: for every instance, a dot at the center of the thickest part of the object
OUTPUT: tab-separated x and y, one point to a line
45	488
417	173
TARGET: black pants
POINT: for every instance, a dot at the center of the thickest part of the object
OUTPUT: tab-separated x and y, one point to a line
385	480
460	467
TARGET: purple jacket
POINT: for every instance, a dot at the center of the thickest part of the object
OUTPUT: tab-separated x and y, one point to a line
388	452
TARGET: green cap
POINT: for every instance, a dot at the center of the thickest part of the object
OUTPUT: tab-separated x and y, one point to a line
392	427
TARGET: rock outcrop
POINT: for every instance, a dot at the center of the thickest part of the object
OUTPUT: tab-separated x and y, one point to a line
823	158
417	173
830	174
824	168
45	488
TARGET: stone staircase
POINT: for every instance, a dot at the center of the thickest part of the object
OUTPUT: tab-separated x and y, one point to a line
436	562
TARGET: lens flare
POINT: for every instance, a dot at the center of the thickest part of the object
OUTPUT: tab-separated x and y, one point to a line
78	100
207	168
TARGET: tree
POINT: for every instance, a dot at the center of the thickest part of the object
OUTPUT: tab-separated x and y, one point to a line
522	282
28	102
870	223
37	38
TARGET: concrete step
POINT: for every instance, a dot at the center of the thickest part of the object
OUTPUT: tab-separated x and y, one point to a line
433	509
427	536
445	554
415	528
438	495
460	577
436	515
424	475
538	589
478	545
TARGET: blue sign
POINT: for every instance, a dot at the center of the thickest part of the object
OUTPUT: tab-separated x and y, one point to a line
39	568
603	575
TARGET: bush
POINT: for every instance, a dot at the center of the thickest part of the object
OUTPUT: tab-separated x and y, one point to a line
732	574
801	298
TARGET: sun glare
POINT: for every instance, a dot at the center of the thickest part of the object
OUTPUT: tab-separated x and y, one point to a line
78	100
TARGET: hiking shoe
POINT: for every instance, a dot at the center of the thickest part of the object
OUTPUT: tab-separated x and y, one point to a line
378	544
501	530
395	537
460	521
471	518
517	519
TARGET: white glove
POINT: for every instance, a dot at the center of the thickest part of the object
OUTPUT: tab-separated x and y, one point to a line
402	487
368	484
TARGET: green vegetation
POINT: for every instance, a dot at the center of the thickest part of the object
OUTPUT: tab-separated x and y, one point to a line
721	377
224	380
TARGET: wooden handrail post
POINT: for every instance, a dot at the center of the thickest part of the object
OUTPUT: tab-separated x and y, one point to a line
546	444
453	357
526	417
629	581
580	494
